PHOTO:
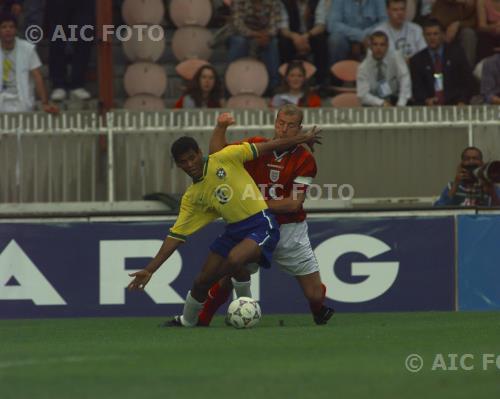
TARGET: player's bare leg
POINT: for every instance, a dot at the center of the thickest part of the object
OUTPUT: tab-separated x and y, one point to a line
315	291
213	270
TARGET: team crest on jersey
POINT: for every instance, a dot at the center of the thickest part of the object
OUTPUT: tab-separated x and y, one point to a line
274	175
221	173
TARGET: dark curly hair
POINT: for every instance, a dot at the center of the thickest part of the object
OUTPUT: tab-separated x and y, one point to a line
194	89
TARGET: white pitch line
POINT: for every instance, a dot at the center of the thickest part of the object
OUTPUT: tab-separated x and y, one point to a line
66	359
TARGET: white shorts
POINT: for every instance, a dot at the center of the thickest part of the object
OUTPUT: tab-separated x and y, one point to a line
294	254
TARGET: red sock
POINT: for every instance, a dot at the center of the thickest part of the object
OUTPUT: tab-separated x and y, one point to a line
217	296
316	306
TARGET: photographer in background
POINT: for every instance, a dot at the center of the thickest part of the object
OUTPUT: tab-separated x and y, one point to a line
466	189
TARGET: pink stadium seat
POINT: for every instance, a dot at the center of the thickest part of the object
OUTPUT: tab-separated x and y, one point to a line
144	102
247	101
345	70
310	69
187	69
192	42
136	12
190	12
246	76
346	100
143	50
228	2
145	78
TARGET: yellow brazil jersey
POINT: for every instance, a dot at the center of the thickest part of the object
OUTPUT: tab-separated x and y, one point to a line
226	190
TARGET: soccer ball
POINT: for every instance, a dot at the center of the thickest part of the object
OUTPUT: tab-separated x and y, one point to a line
243	312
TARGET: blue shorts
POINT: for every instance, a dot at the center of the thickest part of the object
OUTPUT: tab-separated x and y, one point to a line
261	228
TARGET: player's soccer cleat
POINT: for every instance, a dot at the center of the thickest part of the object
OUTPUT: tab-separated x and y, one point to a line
175	322
323	315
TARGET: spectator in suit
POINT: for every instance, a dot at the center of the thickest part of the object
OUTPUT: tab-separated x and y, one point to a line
303	32
465	189
490	80
459	19
404	36
383	76
204	90
295	89
488	21
20	70
440	73
350	23
255	26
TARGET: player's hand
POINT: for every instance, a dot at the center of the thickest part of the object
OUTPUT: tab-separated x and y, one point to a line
313	137
142	277
225	120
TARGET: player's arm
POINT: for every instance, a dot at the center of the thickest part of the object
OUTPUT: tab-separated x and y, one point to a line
142	277
218	139
310	138
290	204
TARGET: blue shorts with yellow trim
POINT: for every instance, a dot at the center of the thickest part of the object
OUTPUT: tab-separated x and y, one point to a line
261	228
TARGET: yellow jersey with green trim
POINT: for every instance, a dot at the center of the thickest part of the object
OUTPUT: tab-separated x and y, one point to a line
225	190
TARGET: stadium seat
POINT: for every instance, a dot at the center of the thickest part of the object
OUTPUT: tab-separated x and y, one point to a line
145	49
246	76
187	69
190	12
145	78
144	102
247	101
346	100
192	42
149	12
345	71
310	69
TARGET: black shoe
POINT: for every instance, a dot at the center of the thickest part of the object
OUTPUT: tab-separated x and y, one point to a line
324	315
175	322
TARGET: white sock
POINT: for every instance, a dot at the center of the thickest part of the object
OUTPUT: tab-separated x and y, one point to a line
192	307
242	288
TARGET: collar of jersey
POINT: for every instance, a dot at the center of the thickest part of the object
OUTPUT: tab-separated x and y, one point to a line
280	156
205	167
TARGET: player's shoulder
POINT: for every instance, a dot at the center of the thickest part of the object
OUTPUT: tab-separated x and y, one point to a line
256	139
301	153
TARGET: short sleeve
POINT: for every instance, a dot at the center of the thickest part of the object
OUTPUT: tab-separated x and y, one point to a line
34	62
306	171
238	153
190	219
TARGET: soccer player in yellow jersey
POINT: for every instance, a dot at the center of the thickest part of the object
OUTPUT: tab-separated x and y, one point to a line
221	188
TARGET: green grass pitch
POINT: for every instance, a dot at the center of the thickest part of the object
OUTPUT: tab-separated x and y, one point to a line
354	356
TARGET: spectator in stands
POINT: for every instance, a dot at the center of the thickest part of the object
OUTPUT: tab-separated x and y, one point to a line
459	19
61	14
350	23
295	88
423	10
13	7
488	21
490	80
302	32
20	69
204	91
383	76
440	73
404	36
465	189
255	26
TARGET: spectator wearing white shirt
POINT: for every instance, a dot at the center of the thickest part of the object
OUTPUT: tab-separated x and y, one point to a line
404	36
383	77
19	71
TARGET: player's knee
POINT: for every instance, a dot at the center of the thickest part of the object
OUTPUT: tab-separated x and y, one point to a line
233	262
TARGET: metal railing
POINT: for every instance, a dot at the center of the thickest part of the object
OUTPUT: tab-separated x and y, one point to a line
81	156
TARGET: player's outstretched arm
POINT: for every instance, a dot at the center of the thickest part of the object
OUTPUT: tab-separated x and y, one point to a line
218	139
142	277
290	204
310	138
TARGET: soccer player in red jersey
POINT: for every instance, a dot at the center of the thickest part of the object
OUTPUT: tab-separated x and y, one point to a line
283	179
